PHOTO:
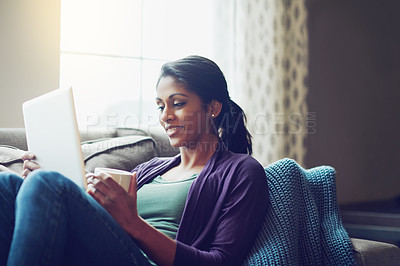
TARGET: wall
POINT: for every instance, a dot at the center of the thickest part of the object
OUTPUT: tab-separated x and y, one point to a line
29	54
354	82
354	89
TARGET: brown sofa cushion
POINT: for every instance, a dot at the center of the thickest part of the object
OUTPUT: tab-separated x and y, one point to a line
120	153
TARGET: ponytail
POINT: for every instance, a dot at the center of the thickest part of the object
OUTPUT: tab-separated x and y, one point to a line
231	125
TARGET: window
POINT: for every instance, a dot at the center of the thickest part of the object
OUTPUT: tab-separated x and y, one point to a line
112	51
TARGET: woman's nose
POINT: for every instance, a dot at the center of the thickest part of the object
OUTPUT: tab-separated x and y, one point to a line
166	115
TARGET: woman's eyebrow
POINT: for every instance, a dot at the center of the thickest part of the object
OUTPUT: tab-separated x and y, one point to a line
172	95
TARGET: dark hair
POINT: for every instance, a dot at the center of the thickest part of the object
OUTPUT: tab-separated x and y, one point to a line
205	78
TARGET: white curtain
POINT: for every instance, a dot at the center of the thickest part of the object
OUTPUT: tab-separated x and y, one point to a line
271	54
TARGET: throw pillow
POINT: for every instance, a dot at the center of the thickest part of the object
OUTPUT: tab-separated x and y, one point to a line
302	225
123	153
10	159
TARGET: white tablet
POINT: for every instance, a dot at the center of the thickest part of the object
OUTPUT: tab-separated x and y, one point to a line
52	134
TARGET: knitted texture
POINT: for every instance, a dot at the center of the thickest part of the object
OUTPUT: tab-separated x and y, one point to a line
302	225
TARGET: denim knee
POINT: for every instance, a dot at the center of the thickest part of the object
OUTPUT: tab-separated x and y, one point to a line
10	181
42	180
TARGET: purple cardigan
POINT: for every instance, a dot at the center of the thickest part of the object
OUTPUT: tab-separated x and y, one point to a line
224	208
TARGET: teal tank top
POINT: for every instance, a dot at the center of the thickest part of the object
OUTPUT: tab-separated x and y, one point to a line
161	203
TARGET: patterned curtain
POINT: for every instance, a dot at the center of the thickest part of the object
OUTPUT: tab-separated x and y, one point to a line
271	57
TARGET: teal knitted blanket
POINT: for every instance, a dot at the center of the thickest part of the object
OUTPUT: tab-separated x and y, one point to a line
302	225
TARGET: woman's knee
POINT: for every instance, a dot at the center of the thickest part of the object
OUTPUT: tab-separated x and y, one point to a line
49	180
11	181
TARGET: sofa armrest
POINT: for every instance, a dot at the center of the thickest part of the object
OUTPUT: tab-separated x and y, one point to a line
13	137
369	252
16	137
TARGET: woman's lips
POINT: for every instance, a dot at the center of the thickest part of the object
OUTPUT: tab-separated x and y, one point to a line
171	130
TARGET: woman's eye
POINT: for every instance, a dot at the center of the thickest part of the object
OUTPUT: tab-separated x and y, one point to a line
177	105
160	108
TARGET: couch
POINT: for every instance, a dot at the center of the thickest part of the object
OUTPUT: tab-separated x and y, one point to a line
110	147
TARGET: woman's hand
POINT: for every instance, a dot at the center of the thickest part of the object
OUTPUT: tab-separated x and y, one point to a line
29	164
122	207
119	203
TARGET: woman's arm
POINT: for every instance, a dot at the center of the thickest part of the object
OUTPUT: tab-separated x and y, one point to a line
159	247
232	227
123	208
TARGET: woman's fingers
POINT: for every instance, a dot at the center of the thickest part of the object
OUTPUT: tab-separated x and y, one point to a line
89	175
111	183
25	173
119	203
103	188
28	156
97	194
28	165
89	178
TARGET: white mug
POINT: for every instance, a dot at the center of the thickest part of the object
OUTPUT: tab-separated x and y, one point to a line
123	178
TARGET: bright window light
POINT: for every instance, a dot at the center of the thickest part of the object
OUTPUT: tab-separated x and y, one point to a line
112	51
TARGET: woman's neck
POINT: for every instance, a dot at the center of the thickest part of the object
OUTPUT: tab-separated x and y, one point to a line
197	156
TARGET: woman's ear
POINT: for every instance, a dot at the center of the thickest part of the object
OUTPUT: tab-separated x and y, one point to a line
214	108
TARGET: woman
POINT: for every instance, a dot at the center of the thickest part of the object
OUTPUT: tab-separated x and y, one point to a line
210	200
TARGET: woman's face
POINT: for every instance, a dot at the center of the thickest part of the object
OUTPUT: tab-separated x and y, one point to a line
182	114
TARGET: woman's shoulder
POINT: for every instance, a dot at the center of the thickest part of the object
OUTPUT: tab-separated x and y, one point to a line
242	165
239	159
239	173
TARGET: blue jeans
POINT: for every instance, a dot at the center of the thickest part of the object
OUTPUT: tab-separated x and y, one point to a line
48	220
